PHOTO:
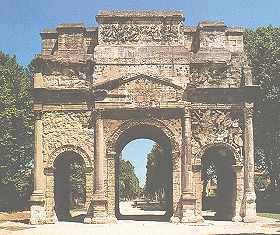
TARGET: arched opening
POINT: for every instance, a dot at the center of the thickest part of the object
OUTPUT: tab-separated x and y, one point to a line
218	180
69	187
155	200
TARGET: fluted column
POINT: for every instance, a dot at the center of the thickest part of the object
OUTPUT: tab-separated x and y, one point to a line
250	196
99	155
37	199
38	159
187	154
188	197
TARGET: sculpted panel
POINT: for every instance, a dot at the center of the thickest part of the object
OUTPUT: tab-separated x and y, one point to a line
216	75
217	126
120	33
67	128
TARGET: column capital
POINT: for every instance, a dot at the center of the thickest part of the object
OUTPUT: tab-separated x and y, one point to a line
187	110
187	113
38	115
249	110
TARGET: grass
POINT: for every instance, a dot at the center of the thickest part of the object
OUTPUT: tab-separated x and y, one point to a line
270	215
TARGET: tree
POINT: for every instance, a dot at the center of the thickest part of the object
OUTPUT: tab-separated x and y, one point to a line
129	183
78	182
263	50
157	176
16	133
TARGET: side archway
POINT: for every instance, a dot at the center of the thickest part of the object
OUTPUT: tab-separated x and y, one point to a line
55	171
221	180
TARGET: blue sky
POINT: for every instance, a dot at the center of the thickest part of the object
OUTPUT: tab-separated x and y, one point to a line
21	21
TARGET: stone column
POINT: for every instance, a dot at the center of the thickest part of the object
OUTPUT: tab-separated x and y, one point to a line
37	199
99	156
98	209
187	156
188	196
250	196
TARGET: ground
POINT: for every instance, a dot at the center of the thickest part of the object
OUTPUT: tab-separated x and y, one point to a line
263	226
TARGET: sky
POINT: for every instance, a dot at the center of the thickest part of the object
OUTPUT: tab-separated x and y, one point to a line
21	21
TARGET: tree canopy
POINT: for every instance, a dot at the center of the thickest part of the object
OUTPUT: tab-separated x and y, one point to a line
129	183
263	50
158	173
16	133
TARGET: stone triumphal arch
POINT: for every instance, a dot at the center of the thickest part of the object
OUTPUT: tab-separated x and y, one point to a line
144	74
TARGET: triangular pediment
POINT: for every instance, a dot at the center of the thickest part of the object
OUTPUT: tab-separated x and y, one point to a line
114	83
141	89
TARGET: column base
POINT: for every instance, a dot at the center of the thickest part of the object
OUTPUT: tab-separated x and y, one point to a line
188	209
250	208
250	219
192	219
98	211
236	218
174	220
37	208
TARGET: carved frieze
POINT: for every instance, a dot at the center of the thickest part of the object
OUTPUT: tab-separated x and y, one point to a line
120	33
216	126
209	75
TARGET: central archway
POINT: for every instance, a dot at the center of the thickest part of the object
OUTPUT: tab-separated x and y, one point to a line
158	135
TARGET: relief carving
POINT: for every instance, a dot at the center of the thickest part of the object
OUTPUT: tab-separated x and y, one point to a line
216	126
209	75
119	33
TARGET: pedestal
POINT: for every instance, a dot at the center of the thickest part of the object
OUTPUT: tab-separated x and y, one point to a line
98	212
37	208
250	208
188	209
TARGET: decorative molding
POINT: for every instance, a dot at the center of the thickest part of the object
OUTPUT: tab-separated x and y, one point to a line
69	148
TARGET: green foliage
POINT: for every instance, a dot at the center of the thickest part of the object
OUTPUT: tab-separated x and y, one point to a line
261	183
263	50
129	183
157	175
16	131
